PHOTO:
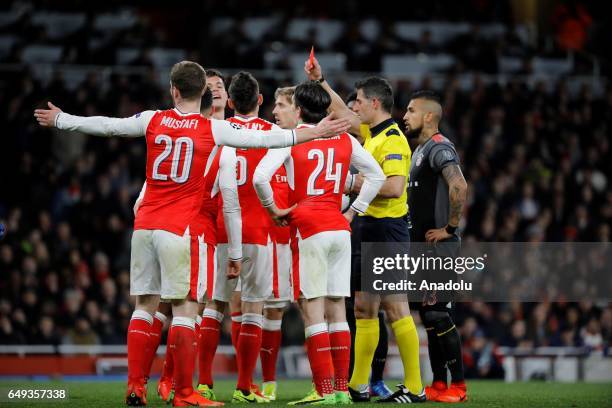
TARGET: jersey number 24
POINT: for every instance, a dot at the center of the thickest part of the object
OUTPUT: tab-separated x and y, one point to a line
333	171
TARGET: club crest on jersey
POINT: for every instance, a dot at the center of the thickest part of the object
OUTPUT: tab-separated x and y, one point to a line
419	159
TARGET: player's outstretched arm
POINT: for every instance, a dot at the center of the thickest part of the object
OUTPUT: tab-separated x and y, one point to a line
314	73
261	182
231	210
373	179
229	134
94	125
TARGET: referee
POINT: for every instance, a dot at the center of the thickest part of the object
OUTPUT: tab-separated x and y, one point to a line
437	194
384	221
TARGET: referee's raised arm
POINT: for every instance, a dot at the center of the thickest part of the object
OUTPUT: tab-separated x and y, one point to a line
314	73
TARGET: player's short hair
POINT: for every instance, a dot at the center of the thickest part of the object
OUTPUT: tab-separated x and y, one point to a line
244	92
352	97
286	91
428	95
211	72
189	78
379	88
312	100
207	100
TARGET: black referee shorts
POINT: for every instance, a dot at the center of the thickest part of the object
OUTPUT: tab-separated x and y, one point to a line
370	229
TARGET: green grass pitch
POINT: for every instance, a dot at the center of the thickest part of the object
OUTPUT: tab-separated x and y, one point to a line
480	394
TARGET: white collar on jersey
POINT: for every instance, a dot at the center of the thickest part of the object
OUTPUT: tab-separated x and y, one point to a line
244	118
305	125
185	114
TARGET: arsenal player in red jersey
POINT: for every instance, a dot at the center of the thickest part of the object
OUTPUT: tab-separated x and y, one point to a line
320	236
181	146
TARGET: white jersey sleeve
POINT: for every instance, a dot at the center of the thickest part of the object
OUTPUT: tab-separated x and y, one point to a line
104	126
374	176
230	134
232	214
264	172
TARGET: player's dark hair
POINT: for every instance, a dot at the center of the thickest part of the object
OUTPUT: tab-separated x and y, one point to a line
352	97
189	78
312	100
426	94
379	88
207	100
211	72
244	92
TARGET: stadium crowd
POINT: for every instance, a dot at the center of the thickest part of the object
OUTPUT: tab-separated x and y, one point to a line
537	160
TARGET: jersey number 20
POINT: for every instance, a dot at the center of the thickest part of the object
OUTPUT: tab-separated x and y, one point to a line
332	172
180	144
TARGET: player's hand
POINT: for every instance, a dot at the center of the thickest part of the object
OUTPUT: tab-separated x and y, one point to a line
233	268
313	70
357	183
280	216
330	127
436	235
349	214
46	117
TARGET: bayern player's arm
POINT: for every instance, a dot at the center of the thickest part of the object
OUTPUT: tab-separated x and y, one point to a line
232	215
373	179
230	134
94	125
314	73
264	172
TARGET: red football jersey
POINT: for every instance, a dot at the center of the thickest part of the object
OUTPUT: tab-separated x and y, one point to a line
256	223
178	149
319	172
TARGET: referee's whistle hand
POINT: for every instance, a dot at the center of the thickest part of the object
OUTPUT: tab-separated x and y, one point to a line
436	235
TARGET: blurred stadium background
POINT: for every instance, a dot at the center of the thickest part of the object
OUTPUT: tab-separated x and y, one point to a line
528	101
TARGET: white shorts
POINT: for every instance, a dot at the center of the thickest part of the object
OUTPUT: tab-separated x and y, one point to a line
255	277
160	264
323	263
282	288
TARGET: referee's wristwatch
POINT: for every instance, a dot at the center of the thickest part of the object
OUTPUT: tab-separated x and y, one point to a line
320	80
450	229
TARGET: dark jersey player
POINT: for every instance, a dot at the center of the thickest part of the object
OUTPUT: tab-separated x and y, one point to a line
436	195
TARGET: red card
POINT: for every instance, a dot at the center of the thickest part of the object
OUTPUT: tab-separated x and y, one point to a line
311	58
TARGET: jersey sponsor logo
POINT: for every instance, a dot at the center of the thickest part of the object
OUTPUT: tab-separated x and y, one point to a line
447	155
395	156
419	159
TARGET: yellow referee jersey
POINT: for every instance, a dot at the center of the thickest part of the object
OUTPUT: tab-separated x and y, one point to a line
390	148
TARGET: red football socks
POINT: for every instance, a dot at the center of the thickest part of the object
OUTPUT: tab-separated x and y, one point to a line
183	344
249	345
210	332
270	346
319	356
340	341
137	341
153	344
